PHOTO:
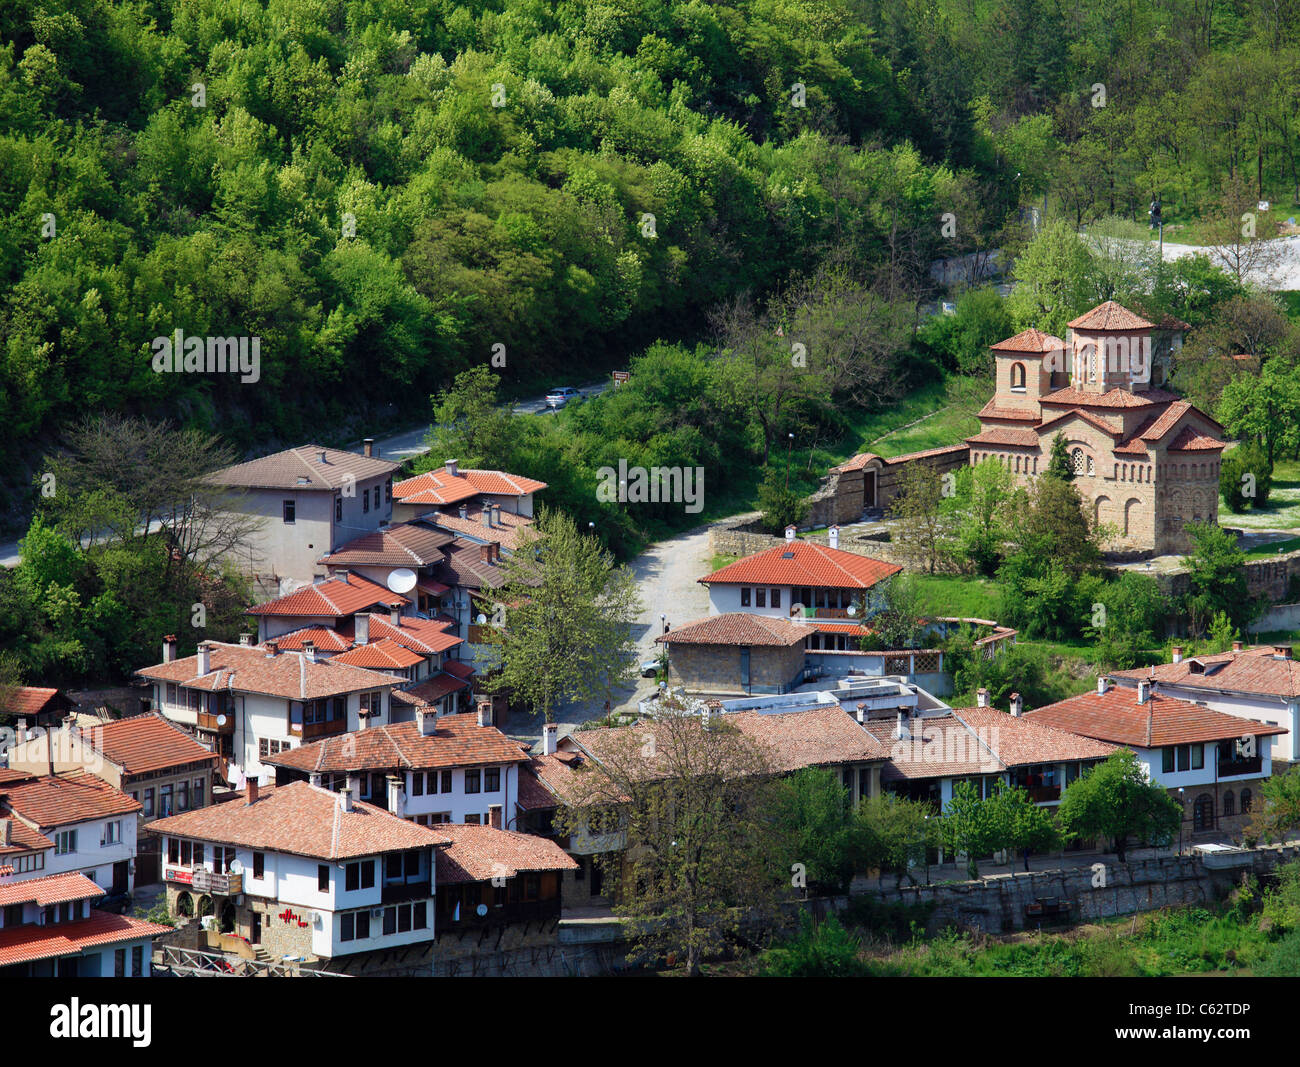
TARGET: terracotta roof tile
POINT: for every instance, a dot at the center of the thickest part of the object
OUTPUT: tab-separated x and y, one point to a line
27	944
335	597
64	798
291	675
478	853
738	628
458	741
52	889
324	638
408	544
1188	440
31	700
430	691
856	463
1163	720
1014	436
302	819
301	468
1109	316
382	655
805	563
1254	671
1112	398
440	488
507	531
813	737
23	838
991	410
145	743
457	669
419	635
1030	340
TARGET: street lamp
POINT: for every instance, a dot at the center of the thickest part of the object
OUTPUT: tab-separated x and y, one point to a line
1181	810
789	449
663	619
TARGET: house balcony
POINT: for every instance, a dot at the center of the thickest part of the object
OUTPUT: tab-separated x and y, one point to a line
216	884
1237	767
311	731
216	723
522	911
1043	794
398	892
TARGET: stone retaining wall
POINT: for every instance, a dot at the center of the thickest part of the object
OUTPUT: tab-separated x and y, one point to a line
998	904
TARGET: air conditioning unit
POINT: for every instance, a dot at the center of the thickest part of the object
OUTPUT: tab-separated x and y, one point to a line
376	913
317	919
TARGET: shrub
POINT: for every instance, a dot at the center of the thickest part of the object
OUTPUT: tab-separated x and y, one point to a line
820	950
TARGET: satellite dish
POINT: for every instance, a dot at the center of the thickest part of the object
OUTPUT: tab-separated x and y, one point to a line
401	580
221	720
236	867
481	910
852	611
481	619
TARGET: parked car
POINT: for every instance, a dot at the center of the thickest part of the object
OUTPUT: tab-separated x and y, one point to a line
649	668
560	396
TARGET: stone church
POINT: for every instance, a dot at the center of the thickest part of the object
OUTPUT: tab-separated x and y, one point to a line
1145	462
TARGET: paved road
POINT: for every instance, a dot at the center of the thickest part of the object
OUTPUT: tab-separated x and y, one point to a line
666	575
397	446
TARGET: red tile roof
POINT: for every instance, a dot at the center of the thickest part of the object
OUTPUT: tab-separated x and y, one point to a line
383	655
1253	671
145	743
1090	419
1030	340
325	638
419	635
805	563
554	775
27	944
302	819
408	544
939	746
479	853
52	889
1018	742
1013	436
927	453
30	700
507	531
813	737
1190	441
440	488
459	741
301	468
334	598
65	798
991	410
1112	398
1109	316
531	793
23	838
457	669
291	675
432	690
1163	720
737	628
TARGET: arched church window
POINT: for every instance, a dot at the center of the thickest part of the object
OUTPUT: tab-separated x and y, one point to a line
1076	460
1018	377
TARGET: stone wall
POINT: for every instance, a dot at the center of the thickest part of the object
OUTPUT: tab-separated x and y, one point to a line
998	904
1270	578
717	668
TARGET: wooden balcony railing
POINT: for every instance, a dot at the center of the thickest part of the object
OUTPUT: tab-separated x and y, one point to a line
216	723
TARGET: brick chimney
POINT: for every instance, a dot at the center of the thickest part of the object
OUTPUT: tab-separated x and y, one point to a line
1281	651
395	613
169	648
246	640
368	447
1236	646
272	649
550	738
1178	654
484	709
1017	705
496	514
981	697
451	467
205	657
361	628
485	517
494	815
252	790
485	552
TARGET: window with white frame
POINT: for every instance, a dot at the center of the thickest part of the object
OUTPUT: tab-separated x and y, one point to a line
111	833
65	842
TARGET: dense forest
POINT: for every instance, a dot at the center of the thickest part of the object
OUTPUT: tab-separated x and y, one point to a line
384	190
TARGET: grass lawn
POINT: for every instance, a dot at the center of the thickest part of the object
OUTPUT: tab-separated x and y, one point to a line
1264	552
1283	511
958	594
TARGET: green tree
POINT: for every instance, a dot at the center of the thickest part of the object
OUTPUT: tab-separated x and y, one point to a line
918	511
813	810
1116	801
562	624
819	950
1058	463
781	507
1216	578
471	425
1022	826
893	835
970	826
1278	813
1053	276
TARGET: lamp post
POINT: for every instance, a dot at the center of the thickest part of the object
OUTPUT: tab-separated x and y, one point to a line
663	619
788	451
1181	809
